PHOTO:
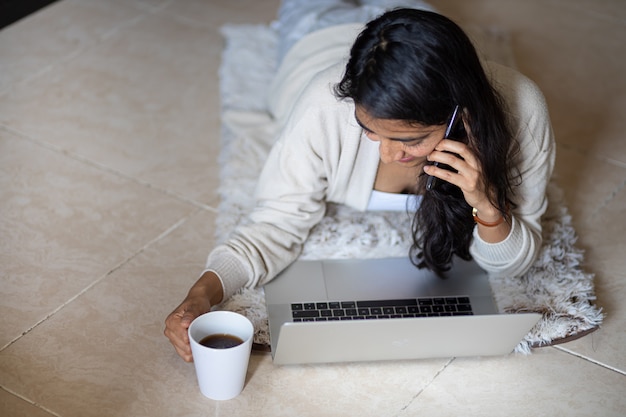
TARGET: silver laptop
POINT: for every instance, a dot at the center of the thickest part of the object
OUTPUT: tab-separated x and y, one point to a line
386	309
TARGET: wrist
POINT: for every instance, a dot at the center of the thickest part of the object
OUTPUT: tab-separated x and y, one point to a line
208	286
488	218
488	214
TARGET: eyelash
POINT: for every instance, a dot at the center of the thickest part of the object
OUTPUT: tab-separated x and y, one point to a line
415	144
407	145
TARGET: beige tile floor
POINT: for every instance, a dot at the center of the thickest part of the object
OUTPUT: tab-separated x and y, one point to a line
109	137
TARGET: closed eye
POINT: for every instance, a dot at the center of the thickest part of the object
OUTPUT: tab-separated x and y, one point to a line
413	143
408	142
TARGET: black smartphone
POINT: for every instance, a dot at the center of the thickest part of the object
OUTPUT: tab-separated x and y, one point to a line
453	131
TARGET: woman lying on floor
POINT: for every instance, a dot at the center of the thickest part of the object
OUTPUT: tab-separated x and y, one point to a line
371	130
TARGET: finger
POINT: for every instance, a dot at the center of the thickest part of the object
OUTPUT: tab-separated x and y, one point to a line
461	150
466	178
180	340
177	335
451	145
444	157
187	318
176	326
452	160
184	352
442	174
457	155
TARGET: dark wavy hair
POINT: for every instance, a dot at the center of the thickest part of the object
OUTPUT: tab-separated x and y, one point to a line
416	65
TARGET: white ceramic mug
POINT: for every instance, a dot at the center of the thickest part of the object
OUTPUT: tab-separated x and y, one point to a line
221	372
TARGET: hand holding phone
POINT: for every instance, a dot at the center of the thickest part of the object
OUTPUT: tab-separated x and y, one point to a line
431	182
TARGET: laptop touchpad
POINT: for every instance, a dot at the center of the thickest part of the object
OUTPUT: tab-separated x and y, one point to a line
398	278
376	279
300	282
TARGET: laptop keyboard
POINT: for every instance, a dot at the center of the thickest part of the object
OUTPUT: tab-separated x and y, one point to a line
381	309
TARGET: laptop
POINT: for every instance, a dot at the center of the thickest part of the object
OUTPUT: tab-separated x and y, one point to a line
326	311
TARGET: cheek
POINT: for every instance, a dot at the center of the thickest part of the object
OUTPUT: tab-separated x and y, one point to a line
419	151
393	149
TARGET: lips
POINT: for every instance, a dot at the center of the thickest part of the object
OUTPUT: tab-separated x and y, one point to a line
407	159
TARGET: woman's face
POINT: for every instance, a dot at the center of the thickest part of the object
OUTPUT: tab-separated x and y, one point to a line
400	143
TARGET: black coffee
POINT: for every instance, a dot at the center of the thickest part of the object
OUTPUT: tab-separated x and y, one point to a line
221	341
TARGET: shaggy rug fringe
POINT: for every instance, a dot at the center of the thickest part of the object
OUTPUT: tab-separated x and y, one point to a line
556	285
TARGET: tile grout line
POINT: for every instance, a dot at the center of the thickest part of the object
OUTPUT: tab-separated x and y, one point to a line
588	359
64	60
165	233
106	169
34	404
608	199
419	392
615	191
146	11
44	70
599	157
594	13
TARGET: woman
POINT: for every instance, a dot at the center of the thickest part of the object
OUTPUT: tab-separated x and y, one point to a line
371	130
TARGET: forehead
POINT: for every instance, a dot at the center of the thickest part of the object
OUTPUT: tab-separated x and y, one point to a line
380	126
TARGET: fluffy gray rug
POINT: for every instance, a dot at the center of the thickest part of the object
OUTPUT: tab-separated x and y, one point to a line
556	286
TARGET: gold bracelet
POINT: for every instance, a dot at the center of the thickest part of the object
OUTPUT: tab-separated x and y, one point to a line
484	223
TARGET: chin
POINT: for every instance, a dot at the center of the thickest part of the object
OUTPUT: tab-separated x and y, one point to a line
410	163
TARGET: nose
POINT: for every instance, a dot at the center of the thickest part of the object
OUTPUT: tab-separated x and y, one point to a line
390	151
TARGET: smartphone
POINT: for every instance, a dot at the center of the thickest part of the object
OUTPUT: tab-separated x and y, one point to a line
451	133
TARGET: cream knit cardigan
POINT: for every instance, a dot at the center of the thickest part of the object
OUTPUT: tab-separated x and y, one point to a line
322	155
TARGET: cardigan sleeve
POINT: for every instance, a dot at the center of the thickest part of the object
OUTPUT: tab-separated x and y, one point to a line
311	163
533	167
